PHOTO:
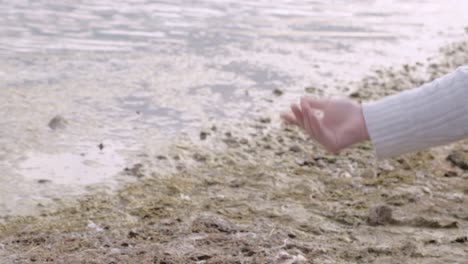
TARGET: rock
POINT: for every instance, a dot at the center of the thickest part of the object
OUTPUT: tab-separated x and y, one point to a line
463	239
42	181
136	170
295	148
265	120
244	141
58	122
305	162
204	135
368	173
380	215
355	95
161	157
101	146
199	157
431	223
386	166
459	158
278	92
310	89
450	174
411	249
213	224
231	142
132	234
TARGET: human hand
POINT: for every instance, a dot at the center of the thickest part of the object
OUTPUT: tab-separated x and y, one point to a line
333	123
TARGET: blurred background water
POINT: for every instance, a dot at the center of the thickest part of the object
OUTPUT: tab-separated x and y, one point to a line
131	74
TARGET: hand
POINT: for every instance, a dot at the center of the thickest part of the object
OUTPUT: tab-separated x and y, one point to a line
334	123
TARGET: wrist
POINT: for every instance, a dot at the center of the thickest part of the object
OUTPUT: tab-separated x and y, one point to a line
362	127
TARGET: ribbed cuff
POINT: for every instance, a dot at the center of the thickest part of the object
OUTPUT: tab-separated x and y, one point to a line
388	123
427	116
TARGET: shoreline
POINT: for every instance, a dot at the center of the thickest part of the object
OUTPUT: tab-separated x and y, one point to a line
255	192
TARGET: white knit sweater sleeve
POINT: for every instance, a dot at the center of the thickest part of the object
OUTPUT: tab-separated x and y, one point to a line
431	115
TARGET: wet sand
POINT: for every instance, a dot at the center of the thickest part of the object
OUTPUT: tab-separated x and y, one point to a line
257	192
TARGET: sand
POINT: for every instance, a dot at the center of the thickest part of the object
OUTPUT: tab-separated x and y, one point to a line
256	192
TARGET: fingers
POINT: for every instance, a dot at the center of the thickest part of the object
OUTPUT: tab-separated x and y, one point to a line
311	122
298	115
320	104
289	119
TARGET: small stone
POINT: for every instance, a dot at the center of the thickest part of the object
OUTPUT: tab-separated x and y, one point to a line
450	174
380	215
136	170
305	162
355	95
231	142
161	157
213	224
58	122
386	166
345	174
295	148
265	120
462	240
132	234
244	141
368	173
101	146
199	157
278	92
204	135
459	159
310	89
42	181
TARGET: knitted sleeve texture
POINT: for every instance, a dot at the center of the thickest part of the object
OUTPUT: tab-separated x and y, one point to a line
431	115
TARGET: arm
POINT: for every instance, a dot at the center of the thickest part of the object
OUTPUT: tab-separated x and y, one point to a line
431	115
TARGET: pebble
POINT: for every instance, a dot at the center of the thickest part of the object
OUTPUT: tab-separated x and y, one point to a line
459	159
278	92
295	148
199	157
204	135
161	157
43	181
368	173
450	174
380	215
213	224
58	122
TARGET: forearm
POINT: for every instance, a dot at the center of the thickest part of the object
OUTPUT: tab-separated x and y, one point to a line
431	115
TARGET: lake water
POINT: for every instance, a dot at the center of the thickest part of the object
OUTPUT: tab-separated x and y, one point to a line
132	74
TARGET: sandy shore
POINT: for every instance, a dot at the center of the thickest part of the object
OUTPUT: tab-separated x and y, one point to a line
257	193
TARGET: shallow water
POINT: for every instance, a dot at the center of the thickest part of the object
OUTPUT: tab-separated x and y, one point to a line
132	74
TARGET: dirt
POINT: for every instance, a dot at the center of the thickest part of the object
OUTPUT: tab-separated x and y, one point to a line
256	192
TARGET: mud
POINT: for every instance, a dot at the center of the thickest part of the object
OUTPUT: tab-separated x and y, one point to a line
257	192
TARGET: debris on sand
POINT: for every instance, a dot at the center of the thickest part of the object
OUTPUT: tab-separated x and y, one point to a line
459	158
58	122
260	193
204	135
278	92
380	215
